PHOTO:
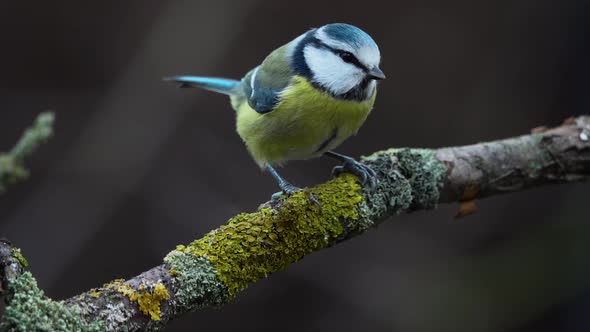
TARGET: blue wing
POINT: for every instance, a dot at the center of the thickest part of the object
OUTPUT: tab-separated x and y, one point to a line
263	85
261	98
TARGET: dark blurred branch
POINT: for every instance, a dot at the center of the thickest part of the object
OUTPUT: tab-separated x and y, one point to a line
12	262
211	270
12	168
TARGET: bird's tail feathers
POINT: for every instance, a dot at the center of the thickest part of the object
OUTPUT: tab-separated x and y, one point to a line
220	85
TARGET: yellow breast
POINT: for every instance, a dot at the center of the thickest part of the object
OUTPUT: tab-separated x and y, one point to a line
306	123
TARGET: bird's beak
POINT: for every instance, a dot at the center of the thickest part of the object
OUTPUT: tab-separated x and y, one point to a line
376	73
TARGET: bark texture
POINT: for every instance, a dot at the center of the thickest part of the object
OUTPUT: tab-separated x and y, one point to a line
210	271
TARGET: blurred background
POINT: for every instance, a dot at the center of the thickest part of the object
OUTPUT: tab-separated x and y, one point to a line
137	166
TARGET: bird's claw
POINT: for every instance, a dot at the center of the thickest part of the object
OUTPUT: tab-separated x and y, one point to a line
289	189
315	202
364	172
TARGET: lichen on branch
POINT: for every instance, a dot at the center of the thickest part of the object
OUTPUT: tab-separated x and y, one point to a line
28	309
210	271
251	246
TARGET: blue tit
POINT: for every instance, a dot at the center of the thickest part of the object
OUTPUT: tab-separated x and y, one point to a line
305	99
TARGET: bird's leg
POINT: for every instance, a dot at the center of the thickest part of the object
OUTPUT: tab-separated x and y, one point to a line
364	172
287	188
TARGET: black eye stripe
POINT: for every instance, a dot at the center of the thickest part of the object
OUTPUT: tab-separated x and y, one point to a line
346	56
300	67
349	58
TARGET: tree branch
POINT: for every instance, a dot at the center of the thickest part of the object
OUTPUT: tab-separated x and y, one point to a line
12	168
210	271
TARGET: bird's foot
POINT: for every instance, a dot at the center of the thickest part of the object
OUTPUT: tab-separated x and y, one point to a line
364	172
288	190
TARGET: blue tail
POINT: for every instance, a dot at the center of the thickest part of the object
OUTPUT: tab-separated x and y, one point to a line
221	85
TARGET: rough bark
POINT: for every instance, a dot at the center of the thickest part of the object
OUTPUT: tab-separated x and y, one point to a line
210	271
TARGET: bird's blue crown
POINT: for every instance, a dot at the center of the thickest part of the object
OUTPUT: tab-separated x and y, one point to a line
349	34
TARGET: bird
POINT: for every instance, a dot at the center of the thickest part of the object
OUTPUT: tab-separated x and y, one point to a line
305	99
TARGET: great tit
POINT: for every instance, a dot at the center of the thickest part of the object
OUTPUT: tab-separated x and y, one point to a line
305	99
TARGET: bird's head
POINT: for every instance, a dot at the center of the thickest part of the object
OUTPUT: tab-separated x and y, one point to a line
340	59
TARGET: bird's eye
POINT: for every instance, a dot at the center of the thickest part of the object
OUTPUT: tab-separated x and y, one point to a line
346	56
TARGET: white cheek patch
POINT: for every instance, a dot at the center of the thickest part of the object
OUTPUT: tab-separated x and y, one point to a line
331	72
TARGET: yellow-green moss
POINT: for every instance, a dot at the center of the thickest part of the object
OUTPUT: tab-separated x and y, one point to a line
251	246
148	298
149	302
174	272
19	256
95	293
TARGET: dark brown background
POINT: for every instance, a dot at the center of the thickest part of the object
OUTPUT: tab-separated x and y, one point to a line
138	166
